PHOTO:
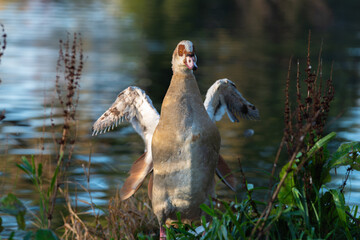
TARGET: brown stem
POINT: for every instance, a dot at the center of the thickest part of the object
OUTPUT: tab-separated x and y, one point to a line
276	161
265	214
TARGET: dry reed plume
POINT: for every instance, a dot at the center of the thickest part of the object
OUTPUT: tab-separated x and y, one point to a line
2	50
69	69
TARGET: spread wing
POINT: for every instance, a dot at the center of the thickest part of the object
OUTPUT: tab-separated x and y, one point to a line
223	97
134	106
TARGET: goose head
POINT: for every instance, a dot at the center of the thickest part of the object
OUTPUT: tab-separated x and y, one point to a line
184	58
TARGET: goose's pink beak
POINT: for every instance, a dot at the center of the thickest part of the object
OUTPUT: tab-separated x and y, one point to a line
191	62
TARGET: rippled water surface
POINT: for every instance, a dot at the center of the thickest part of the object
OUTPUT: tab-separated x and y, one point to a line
131	43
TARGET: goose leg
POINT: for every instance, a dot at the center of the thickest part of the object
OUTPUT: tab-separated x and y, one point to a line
162	233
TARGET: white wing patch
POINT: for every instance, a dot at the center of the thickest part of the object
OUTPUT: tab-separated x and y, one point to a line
134	106
223	97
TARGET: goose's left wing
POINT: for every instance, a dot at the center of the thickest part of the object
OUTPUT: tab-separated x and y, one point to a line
223	97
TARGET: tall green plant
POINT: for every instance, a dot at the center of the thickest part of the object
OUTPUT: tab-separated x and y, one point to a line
306	203
69	70
34	172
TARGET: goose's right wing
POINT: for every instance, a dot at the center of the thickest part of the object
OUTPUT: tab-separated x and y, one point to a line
134	106
223	97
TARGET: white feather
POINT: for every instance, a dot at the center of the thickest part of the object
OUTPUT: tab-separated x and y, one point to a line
134	106
223	97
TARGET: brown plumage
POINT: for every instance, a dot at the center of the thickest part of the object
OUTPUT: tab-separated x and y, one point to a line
182	146
185	146
139	170
224	173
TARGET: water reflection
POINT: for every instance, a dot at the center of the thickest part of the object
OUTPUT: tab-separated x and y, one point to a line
130	43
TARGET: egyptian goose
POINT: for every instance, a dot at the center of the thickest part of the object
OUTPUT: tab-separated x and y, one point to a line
182	145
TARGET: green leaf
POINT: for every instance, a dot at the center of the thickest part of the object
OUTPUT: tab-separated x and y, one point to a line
33	165
25	166
11	205
208	210
302	205
340	204
12	234
14	207
1	227
53	179
297	197
321	143
327	176
20	219
285	194
39	170
29	236
347	154
224	232
203	222
234	220
45	234
339	201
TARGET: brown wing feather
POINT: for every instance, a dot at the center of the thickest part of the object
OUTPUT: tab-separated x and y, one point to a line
139	170
237	105
222	97
224	173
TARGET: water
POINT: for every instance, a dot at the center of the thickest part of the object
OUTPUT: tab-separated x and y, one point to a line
131	42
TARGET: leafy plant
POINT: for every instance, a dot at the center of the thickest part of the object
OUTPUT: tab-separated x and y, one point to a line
348	154
11	205
34	172
69	70
41	234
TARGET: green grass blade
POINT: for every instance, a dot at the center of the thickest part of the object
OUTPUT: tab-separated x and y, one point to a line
321	143
53	180
208	210
234	220
39	170
33	166
25	166
340	208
